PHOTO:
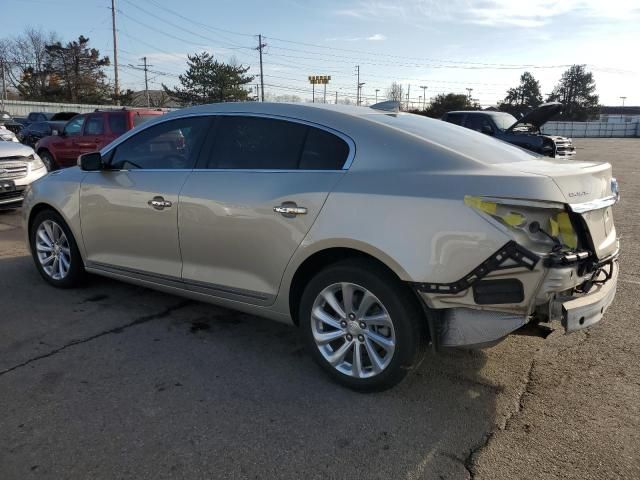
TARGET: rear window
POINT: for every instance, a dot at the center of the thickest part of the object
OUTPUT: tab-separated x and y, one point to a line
139	118
483	148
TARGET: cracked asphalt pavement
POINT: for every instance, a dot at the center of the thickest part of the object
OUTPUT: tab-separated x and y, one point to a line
117	381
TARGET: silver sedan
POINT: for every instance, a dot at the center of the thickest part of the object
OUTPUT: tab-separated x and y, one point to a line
375	232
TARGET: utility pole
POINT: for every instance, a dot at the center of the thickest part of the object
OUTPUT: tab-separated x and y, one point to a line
424	95
377	90
116	90
336	97
324	100
358	85
146	81
408	96
4	86
469	90
621	111
260	47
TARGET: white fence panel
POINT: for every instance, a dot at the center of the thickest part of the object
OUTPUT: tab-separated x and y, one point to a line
592	129
22	108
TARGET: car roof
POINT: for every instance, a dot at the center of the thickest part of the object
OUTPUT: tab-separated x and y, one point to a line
295	110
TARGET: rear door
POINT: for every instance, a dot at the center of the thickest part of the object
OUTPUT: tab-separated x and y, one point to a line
254	196
129	212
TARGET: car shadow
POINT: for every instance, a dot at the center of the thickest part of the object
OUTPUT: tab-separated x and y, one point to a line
235	391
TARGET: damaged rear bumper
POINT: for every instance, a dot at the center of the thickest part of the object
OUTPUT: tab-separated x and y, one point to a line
570	287
578	312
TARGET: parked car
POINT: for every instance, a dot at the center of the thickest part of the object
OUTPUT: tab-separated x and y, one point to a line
88	132
524	132
9	123
19	166
39	117
370	229
7	135
36	131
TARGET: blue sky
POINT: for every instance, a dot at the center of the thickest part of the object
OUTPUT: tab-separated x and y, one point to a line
447	46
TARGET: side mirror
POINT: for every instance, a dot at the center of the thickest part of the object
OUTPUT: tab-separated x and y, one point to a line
55	132
487	129
90	162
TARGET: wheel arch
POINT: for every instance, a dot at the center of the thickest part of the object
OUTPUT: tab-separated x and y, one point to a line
323	257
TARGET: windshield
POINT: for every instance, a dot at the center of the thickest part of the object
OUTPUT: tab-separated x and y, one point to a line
503	120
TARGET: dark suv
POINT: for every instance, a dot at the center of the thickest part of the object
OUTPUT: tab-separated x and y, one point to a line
524	133
88	132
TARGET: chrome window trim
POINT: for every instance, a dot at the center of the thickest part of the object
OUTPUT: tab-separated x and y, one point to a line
593	204
347	164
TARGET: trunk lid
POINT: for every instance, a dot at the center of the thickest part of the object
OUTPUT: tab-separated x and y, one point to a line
582	183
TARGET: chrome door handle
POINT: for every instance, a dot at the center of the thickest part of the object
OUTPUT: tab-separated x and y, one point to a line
159	203
290	210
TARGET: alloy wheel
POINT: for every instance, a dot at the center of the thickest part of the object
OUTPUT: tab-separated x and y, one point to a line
353	330
53	249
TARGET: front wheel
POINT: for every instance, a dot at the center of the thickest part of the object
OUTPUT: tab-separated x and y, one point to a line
54	250
48	161
361	325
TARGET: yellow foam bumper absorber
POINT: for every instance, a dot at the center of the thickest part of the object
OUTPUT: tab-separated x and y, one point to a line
567	233
479	204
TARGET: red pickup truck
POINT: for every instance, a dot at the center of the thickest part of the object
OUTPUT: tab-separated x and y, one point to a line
88	132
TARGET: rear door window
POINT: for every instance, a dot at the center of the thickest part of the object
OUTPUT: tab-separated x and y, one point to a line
94	125
259	143
117	123
323	151
254	143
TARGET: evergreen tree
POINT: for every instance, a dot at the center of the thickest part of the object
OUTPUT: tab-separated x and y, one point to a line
76	73
210	81
576	91
523	98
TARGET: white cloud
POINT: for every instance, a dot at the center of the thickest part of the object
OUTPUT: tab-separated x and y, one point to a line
535	13
376	37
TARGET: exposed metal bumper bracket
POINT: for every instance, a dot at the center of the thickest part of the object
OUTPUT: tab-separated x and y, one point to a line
580	312
510	251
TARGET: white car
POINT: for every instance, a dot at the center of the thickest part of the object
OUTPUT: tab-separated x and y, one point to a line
7	135
19	166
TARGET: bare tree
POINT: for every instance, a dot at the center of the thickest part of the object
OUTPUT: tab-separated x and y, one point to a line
26	61
395	92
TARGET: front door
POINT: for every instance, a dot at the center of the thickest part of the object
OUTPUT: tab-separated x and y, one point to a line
247	207
129	212
92	133
64	146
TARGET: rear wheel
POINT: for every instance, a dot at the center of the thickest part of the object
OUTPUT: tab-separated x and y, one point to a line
54	250
361	325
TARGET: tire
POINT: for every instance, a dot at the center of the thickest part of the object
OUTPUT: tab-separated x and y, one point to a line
394	342
48	160
49	237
